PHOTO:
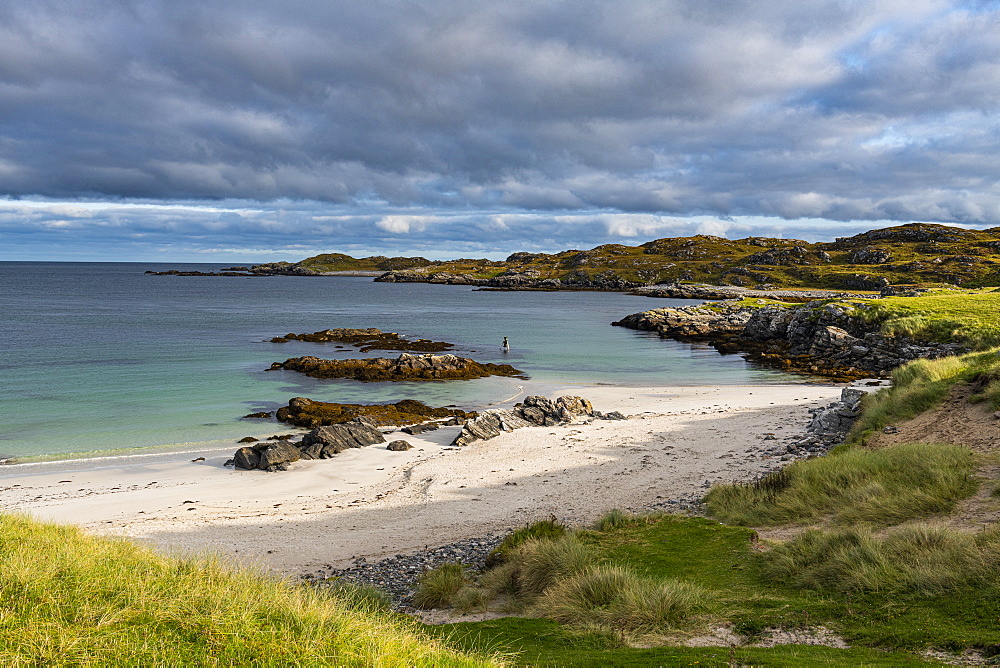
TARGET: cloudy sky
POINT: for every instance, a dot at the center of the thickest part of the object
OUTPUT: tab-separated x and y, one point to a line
227	131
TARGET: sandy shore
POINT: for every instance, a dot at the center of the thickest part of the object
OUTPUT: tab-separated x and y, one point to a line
371	502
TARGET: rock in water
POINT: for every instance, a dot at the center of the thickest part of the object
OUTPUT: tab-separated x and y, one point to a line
405	367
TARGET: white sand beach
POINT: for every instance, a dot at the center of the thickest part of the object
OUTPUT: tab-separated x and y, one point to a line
371	502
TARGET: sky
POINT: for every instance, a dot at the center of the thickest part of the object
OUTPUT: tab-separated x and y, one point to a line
229	131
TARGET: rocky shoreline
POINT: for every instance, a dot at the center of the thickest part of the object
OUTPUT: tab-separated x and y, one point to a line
704	291
814	338
337	435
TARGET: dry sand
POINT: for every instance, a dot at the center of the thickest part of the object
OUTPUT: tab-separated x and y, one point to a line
371	502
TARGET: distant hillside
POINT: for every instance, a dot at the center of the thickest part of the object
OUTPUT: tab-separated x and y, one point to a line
907	254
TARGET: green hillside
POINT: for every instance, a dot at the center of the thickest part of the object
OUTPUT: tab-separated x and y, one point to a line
907	254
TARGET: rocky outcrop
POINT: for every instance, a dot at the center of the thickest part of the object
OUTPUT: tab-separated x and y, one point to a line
307	413
517	280
367	339
827	428
831	339
535	411
699	291
688	321
819	338
320	443
405	367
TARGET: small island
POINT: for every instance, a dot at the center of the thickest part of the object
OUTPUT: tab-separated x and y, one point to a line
368	339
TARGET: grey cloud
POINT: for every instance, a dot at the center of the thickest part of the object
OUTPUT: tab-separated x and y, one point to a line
822	108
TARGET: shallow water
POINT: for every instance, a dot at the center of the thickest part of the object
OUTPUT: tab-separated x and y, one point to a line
100	356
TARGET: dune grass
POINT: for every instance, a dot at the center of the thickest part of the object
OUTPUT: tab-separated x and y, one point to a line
742	593
542	529
922	385
613	597
70	599
535	565
437	587
879	487
923	559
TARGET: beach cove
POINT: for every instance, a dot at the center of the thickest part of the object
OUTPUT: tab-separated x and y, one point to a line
190	359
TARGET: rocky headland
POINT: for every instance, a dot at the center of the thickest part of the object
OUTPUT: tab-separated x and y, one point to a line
367	339
824	338
877	260
406	367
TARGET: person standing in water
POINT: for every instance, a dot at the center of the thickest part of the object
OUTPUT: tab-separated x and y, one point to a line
505	346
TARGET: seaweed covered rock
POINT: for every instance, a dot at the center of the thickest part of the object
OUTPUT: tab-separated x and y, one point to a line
405	367
535	411
307	413
367	339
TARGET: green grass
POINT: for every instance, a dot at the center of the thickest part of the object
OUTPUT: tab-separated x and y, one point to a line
922	385
437	587
925	560
972	318
544	529
535	565
70	599
721	560
542	642
880	487
614	598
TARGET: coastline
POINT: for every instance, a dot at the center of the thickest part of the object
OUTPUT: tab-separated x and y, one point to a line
372	503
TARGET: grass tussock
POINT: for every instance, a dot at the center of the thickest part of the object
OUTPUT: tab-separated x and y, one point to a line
922	559
542	530
879	487
613	597
71	599
437	587
536	565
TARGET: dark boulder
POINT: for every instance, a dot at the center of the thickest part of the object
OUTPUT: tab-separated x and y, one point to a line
334	439
277	456
246	459
399	446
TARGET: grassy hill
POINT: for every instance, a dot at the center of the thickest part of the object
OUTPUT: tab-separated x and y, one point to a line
907	254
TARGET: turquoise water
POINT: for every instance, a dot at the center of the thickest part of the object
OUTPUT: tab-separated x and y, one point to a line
100	356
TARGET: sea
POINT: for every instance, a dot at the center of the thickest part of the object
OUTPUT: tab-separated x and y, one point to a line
104	359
